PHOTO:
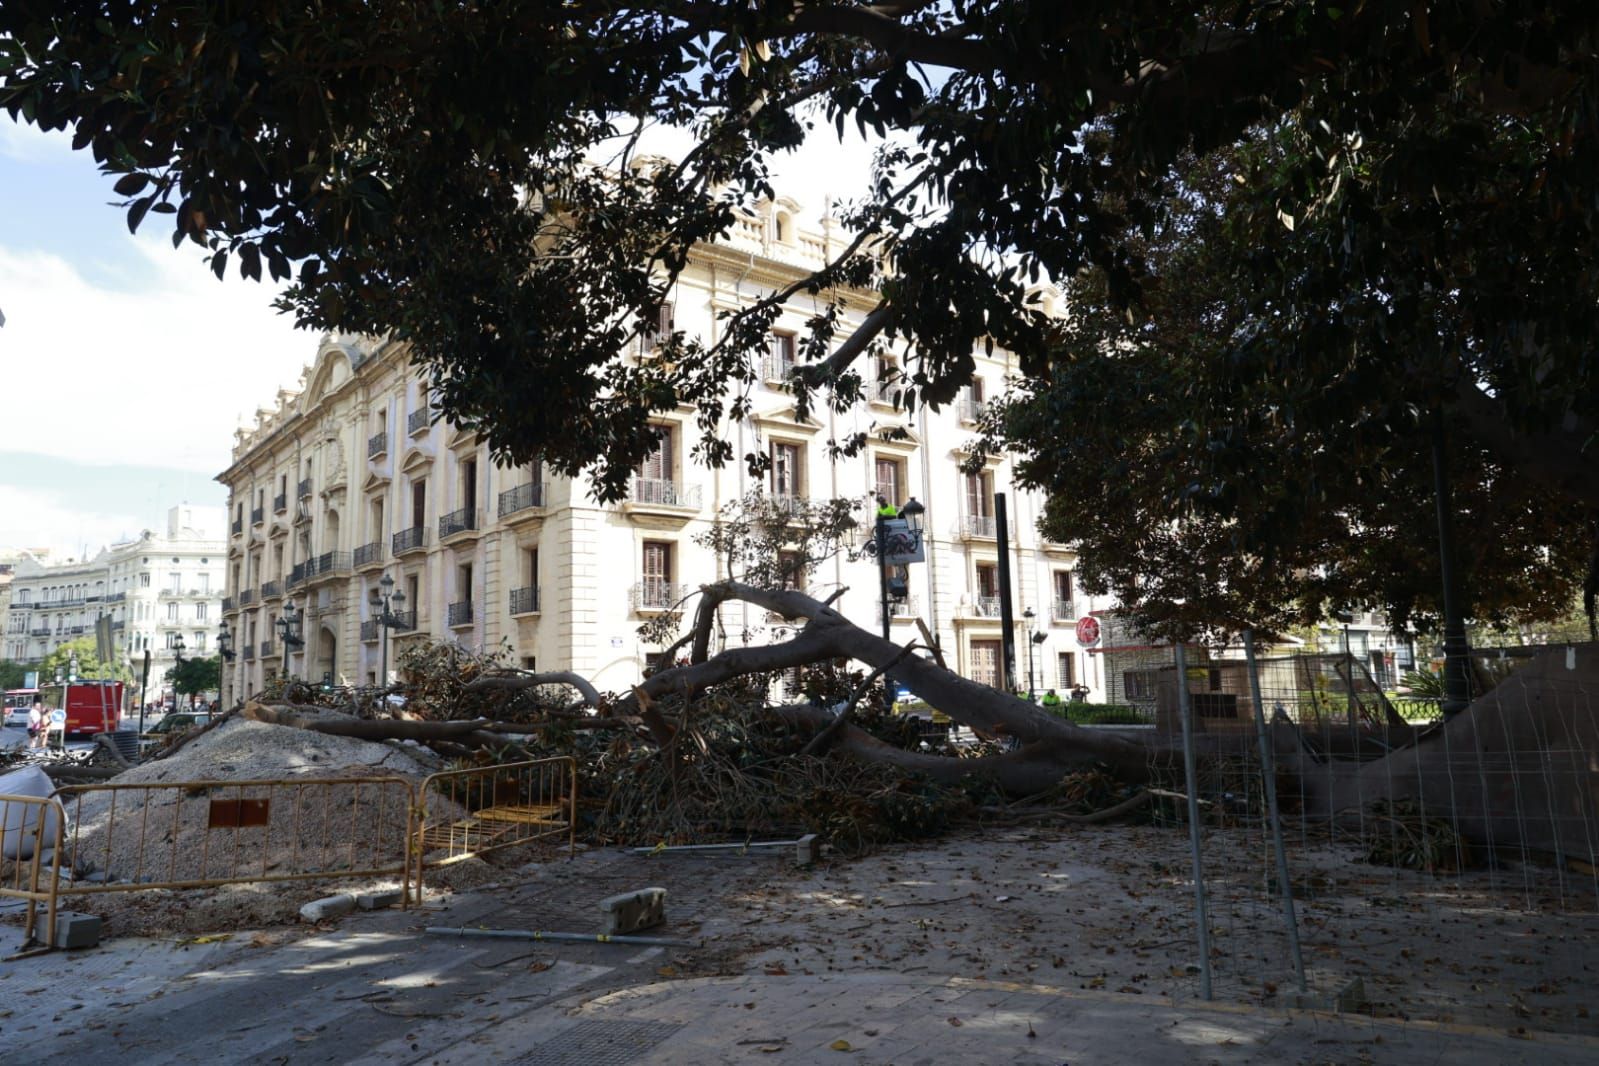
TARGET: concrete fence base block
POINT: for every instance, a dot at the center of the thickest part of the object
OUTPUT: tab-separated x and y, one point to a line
807	850
376	901
628	912
320	910
76	930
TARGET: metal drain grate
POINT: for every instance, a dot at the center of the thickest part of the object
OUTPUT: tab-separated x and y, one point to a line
599	1044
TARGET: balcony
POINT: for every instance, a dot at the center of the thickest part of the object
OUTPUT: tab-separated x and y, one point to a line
527	497
247	653
402	621
776	369
983	607
22	606
304	489
271	590
45	632
975	527
454	524
1062	612
369	631
266	649
368	555
656	594
257	515
297	575
280	503
246	597
460	614
377	444
75	631
118	626
971	409
525	600
237	526
410	540
418	421
326	565
666	504
229	604
115	597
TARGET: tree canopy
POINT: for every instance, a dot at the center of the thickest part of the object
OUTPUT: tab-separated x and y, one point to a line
196	676
89	665
1405	238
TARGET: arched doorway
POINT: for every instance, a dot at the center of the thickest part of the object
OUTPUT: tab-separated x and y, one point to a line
327	656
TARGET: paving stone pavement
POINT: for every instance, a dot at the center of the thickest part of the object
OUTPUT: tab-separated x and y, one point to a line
376	991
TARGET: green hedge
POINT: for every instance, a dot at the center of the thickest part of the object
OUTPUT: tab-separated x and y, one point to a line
1100	714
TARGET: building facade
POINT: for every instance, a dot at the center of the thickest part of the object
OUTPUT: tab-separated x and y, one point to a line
350	478
156	589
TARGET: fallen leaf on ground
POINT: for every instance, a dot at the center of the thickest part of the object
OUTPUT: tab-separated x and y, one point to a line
840	1045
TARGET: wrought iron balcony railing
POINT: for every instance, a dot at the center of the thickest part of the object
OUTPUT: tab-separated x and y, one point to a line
410	540
466	520
522	498
663	493
525	600
460	614
367	554
377	444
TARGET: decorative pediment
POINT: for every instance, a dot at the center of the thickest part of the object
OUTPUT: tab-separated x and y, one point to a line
414	460
786	419
376	481
461	438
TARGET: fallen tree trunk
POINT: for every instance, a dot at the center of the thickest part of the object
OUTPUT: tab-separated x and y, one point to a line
1051	748
1518	768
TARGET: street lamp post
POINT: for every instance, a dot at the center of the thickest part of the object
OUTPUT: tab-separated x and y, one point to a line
1032	643
384	598
177	667
289	632
225	649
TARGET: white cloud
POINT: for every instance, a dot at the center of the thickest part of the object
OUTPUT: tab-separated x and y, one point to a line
32	519
155	372
29	144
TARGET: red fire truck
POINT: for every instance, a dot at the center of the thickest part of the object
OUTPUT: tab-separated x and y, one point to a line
92	706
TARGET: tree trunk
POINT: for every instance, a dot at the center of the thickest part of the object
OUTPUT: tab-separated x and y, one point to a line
1518	768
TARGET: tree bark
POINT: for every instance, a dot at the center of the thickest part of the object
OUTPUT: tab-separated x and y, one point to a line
518	682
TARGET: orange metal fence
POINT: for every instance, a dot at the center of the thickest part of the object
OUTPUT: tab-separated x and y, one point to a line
117	837
464	813
198	834
32	828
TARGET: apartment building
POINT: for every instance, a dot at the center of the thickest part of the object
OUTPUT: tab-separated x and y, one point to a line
157	588
352	477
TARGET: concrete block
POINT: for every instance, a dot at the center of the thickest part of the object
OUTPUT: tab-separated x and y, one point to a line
1350	997
376	901
807	850
76	930
320	910
628	912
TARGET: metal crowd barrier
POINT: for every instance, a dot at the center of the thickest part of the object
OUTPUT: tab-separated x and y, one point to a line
117	837
20	878
201	834
465	813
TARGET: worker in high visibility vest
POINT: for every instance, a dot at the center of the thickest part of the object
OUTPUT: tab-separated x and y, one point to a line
886	509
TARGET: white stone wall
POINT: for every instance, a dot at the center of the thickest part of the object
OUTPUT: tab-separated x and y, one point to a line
154	589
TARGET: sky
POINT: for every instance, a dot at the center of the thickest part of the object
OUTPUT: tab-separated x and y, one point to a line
126	366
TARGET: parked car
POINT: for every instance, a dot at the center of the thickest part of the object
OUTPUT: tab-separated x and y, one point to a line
17	716
171	725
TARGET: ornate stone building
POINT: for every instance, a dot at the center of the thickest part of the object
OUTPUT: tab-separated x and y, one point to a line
349	478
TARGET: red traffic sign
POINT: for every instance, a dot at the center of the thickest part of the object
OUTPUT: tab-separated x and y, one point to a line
1088	631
